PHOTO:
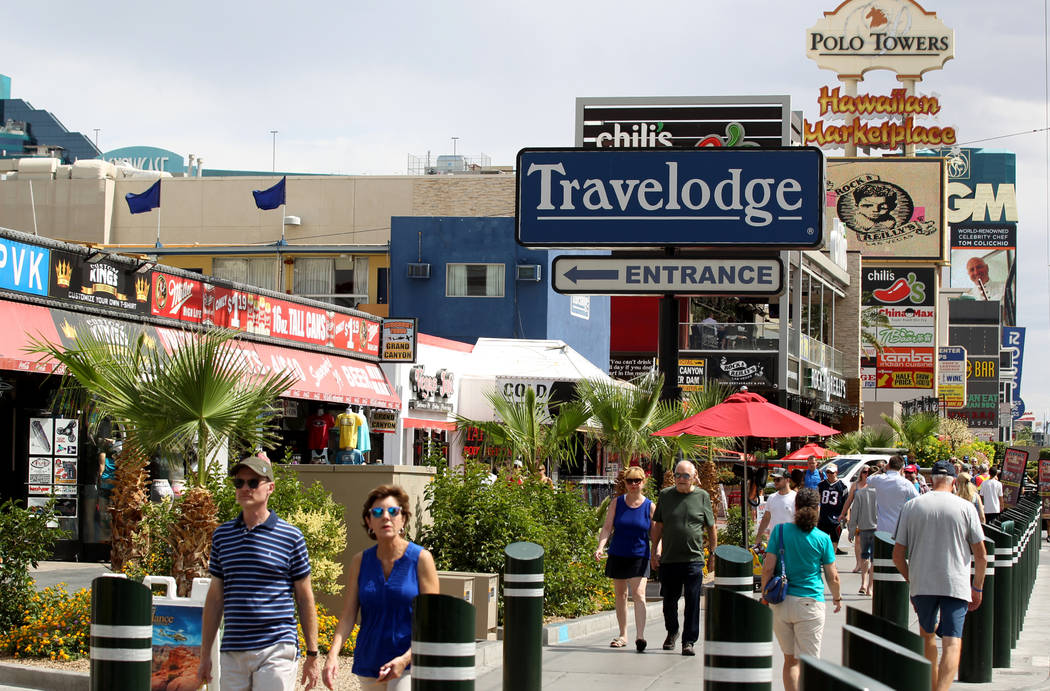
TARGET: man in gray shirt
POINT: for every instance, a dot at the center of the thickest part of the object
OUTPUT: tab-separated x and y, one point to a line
936	534
891	491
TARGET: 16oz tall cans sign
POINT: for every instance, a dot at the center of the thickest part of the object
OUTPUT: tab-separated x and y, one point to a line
751	197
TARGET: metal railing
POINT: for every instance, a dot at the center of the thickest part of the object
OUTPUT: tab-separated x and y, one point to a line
729	336
814	352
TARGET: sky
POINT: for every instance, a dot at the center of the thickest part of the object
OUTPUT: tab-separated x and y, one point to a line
356	87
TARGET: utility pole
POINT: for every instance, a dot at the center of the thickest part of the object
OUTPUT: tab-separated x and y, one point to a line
273	167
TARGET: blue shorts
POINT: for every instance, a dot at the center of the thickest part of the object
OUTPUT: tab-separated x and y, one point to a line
952	614
867	543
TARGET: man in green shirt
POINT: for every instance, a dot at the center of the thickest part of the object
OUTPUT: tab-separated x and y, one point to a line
683	512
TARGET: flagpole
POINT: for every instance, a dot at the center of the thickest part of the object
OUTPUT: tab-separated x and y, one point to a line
282	224
158	215
32	203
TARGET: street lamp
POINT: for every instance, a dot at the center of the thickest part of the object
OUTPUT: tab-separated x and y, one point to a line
454	145
274	160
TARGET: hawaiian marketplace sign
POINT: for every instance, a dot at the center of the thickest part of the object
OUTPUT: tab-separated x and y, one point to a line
842	121
895	35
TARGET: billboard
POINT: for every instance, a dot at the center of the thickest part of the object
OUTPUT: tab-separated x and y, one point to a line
892	207
900	316
738	197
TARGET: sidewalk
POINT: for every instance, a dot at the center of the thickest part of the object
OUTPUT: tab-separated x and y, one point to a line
589	663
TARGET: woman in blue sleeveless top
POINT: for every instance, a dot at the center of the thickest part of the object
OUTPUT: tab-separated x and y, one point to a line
628	520
382	582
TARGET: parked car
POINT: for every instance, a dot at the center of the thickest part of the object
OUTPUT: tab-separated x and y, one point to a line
850	464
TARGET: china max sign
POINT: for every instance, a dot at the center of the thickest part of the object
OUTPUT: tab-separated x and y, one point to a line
709	196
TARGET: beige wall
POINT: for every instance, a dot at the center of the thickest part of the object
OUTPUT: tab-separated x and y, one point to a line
350	486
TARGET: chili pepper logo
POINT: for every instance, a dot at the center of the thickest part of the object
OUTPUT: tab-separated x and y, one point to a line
905	288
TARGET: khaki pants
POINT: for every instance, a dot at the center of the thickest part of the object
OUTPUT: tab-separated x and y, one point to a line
265	669
798	623
402	683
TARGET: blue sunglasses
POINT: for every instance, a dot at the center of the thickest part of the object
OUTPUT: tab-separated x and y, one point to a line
377	512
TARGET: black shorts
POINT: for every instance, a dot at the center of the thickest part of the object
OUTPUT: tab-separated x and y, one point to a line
626	567
832	529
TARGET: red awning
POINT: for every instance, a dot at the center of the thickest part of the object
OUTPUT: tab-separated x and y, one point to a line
21	324
417	423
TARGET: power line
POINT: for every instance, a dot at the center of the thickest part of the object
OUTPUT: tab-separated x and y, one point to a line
1004	136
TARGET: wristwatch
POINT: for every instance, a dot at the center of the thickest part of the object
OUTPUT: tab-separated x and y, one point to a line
311	653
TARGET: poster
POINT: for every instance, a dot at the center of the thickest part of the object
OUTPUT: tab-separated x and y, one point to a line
39	490
65	471
65	437
176	647
1044	486
41	436
1012	475
891	207
40	471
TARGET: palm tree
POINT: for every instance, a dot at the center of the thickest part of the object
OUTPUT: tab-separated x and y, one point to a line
528	430
915	432
625	415
860	440
202	396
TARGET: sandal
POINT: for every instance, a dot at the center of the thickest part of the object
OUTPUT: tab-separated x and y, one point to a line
862	592
618	642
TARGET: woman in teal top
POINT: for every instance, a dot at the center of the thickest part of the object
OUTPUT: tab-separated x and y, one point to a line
798	621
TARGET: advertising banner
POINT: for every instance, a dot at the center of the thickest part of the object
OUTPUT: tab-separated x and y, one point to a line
905	368
24	268
1013	340
103	284
740	197
627	366
892	207
384	421
691	374
951	381
1012	476
398	340
1044	486
742	370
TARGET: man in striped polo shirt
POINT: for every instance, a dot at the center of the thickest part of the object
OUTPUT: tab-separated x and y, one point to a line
260	573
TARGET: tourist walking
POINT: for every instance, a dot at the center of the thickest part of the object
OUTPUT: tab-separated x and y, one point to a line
833	493
860	510
798	621
381	585
812	477
891	491
859	482
936	535
780	506
629	522
683	513
968	491
992	495
260	573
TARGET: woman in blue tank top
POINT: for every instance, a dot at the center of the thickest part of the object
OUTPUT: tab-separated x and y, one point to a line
628	520
382	582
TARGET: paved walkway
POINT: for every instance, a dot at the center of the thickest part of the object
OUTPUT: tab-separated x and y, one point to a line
589	662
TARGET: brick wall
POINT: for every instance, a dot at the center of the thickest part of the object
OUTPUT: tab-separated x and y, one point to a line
467	195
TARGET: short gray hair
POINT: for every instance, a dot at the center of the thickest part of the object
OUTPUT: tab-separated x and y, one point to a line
689	464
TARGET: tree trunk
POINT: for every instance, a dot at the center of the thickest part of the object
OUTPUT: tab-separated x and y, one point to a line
190	538
127	544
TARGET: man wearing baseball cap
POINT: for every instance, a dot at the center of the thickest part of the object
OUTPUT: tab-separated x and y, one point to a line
780	506
260	572
936	534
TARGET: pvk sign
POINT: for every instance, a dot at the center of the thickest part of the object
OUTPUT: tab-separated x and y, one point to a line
769	198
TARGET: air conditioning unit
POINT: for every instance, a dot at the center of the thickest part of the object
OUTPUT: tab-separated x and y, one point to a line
528	272
418	270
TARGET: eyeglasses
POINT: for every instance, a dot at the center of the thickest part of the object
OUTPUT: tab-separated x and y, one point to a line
633	481
683	476
238	482
377	511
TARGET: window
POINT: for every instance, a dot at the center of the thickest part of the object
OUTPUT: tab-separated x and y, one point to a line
340	281
261	273
474	280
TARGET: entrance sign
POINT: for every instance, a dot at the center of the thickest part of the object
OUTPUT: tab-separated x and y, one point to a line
746	197
683	275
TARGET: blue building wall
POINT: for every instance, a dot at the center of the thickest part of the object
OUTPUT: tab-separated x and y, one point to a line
44	128
528	309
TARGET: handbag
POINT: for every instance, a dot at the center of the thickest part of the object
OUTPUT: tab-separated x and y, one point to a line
776	587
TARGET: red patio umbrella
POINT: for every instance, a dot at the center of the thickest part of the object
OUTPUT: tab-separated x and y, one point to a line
746	414
810	449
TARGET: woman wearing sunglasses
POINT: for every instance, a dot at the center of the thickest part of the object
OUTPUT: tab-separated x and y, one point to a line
628	520
382	582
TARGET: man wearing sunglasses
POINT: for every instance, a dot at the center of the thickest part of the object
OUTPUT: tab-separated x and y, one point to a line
682	514
260	572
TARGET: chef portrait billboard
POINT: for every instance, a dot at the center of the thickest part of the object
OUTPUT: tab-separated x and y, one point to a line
891	207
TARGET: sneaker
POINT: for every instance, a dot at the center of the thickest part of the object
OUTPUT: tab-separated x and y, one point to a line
640	645
670	641
841	552
687	649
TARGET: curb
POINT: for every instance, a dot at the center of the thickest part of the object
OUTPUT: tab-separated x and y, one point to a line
42	677
567	631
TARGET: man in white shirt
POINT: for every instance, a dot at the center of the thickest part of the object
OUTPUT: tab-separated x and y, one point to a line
991	492
780	506
892	491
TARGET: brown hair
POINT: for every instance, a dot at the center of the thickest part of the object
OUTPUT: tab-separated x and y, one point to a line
807	508
379	494
895	462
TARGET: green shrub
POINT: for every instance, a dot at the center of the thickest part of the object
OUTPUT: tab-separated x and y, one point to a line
55	625
731	533
25	540
474	521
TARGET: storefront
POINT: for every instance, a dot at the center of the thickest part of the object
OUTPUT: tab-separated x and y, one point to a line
54	292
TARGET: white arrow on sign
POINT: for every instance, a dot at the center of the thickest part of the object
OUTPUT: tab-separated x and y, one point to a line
684	275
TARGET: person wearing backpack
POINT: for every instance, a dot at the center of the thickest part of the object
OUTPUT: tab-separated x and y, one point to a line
803	552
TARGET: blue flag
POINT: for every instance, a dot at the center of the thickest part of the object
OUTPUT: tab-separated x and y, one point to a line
148	200
271	198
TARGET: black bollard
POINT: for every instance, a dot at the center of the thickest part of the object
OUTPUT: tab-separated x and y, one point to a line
121	635
975	663
886	662
443	644
885	628
734	569
1003	601
820	675
890	596
738	642
522	617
